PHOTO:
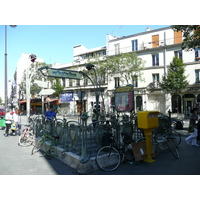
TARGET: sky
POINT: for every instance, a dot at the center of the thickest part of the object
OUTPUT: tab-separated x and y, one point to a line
54	43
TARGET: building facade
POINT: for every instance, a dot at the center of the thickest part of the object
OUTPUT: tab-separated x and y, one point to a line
157	48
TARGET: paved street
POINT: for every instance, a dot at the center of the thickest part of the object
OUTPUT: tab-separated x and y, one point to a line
16	160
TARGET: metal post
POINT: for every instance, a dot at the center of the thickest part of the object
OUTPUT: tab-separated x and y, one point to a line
6	68
6	87
32	57
27	94
84	153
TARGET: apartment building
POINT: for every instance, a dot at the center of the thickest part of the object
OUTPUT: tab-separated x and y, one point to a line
157	48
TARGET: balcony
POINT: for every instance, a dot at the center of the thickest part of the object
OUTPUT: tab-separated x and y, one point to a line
142	46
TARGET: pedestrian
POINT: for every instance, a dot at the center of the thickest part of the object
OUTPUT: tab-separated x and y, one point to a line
15	120
193	119
50	114
192	139
8	120
48	102
94	118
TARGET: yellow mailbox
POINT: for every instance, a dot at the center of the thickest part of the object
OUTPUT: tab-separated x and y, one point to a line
148	120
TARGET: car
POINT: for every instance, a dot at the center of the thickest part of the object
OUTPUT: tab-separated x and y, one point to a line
2	112
175	123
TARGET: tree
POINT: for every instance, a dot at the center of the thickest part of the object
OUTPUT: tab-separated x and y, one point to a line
175	80
58	88
125	65
191	34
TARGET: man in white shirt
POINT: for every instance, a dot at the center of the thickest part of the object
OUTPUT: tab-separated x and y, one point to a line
8	120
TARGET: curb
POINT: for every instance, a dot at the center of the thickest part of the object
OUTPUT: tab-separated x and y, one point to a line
73	160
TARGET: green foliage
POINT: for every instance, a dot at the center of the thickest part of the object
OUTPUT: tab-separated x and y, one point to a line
125	65
175	80
58	88
191	34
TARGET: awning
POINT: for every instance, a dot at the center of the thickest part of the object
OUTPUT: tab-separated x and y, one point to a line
23	101
51	100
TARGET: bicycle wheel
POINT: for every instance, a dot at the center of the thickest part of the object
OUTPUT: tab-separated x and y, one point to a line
175	137
172	148
128	153
24	141
108	158
37	146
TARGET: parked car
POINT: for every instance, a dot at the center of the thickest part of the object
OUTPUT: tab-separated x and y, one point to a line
2	112
177	123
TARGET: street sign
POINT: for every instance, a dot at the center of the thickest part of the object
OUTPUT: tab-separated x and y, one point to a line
64	74
42	84
46	92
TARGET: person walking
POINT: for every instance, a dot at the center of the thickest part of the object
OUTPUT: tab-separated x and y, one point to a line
193	119
192	139
8	120
94	118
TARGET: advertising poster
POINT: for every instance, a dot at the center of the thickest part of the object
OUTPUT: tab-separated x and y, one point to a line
124	99
66	97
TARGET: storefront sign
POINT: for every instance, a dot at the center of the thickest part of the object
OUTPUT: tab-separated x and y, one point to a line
66	97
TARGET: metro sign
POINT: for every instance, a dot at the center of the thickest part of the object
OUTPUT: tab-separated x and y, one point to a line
56	73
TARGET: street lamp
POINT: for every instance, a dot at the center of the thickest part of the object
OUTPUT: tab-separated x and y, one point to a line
6	78
32	58
90	66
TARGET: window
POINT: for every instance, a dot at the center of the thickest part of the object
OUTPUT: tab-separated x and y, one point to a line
178	54
78	82
197	75
155	60
63	80
116	82
197	54
102	79
70	82
155	77
117	49
135	81
85	81
134	45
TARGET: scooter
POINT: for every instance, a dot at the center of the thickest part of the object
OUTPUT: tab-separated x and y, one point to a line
13	128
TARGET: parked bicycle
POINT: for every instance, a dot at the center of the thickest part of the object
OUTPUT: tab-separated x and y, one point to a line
27	137
41	144
162	142
109	157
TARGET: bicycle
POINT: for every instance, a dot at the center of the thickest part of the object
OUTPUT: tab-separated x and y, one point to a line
108	158
27	137
164	142
42	142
